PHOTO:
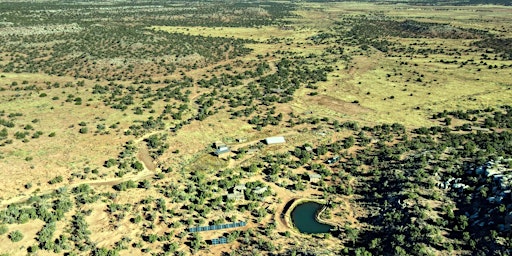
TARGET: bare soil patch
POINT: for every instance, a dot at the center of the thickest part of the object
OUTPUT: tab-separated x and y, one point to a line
338	105
144	156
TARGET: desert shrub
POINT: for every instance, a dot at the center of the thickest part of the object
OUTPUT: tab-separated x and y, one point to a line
15	236
84	130
55	180
3	229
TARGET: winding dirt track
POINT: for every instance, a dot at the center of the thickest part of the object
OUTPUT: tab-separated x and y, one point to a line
145	173
106	182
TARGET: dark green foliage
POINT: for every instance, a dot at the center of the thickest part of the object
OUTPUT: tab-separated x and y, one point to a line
110	163
138	166
82	188
3	229
101	43
45	236
84	130
55	180
501	45
157	145
79	233
20	135
6	123
15	236
125	185
3	134
104	252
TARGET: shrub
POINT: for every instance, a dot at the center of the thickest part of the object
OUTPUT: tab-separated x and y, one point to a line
20	135
84	130
109	163
55	180
16	236
3	229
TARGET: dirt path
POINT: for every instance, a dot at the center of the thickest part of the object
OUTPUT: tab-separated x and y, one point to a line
145	173
106	182
142	156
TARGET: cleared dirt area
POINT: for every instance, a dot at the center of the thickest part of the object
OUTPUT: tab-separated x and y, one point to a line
144	156
338	105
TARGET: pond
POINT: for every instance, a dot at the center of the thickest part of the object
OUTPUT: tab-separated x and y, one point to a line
304	218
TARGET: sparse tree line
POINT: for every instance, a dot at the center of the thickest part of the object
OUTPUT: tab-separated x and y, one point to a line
392	172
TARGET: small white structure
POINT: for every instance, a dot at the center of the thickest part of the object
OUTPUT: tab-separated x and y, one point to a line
239	188
238	193
235	196
275	140
260	190
219	144
221	150
314	177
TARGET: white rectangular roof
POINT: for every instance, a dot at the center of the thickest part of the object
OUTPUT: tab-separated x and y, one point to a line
275	140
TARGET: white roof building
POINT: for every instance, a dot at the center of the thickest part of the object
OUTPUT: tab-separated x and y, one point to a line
260	190
221	150
275	140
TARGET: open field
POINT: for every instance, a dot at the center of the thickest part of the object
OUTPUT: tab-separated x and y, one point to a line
112	116
260	34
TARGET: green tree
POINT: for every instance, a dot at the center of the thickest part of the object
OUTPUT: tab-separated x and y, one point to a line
352	234
55	180
3	229
84	130
16	236
138	166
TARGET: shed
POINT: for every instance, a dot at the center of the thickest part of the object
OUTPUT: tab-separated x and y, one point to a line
314	177
252	150
219	144
260	190
235	196
275	140
221	151
333	160
239	188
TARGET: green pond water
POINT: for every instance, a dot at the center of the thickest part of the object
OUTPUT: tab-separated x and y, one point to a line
304	218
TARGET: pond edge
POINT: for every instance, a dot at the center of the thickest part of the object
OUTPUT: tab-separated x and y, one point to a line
298	201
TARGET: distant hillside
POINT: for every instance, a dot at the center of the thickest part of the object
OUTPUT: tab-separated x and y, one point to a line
431	2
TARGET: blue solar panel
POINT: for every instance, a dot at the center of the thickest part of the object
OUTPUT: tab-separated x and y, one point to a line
216	227
221	240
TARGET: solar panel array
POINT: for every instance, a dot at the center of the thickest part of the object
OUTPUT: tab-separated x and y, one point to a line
217	227
221	240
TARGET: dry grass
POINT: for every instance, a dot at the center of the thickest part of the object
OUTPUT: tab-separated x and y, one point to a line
401	98
28	230
260	34
444	86
67	152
